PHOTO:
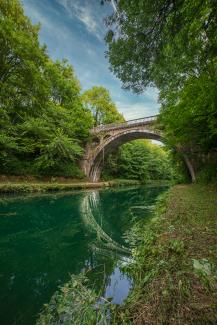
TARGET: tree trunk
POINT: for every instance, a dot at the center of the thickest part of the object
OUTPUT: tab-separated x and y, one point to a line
190	167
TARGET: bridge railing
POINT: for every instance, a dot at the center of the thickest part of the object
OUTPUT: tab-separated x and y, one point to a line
114	126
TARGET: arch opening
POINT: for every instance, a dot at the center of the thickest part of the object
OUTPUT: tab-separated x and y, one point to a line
112	143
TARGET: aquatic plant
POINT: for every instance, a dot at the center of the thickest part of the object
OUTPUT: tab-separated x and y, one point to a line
75	303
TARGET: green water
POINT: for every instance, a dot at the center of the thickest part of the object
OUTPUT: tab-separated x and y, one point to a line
44	239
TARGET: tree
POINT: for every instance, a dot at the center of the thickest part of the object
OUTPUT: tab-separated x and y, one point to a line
161	42
44	124
98	101
171	45
141	160
21	59
190	118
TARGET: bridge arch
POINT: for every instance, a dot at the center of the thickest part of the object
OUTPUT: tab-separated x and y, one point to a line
111	136
113	142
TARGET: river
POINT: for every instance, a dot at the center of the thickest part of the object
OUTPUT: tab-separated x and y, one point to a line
45	238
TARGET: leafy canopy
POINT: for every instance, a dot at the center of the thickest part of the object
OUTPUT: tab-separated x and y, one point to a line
141	160
44	124
104	111
171	45
161	42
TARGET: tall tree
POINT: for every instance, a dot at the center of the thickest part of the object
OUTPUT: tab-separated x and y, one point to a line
104	111
43	123
162	42
171	45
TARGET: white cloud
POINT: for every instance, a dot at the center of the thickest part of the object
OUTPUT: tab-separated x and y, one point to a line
85	14
113	5
136	110
48	24
86	56
151	93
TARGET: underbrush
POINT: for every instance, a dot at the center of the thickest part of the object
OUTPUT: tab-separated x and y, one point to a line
75	303
174	261
208	174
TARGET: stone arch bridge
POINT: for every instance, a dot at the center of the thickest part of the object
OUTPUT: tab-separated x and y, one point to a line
106	138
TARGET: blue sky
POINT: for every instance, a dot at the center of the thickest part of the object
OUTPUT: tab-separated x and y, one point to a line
75	30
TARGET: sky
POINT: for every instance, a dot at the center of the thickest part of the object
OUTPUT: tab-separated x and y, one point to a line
75	30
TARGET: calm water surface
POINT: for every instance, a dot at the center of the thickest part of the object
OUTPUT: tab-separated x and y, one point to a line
44	239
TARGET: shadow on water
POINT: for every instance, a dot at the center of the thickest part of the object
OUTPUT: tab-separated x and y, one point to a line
44	239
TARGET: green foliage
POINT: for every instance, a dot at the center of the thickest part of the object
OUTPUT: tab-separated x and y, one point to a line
141	160
176	246
205	271
209	173
189	116
148	257
173	46
44	124
167	280
44	119
104	111
74	303
161	42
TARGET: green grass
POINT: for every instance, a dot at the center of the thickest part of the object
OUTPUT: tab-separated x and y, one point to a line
30	187
175	259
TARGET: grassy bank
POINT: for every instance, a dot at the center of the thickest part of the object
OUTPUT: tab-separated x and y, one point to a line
175	259
30	185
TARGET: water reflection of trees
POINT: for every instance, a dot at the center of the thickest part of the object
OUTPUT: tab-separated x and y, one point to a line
40	246
51	236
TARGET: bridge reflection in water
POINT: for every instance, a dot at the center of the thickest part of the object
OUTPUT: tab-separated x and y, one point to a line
46	237
90	203
117	283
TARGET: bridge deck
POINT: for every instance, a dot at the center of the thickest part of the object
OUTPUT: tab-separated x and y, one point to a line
124	125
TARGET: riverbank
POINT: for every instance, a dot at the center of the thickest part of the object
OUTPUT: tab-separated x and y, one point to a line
175	259
31	184
25	185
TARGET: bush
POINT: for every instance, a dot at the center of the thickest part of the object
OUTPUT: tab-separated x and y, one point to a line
74	303
208	174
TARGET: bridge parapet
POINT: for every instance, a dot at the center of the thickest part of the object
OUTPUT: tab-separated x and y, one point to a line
124	125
